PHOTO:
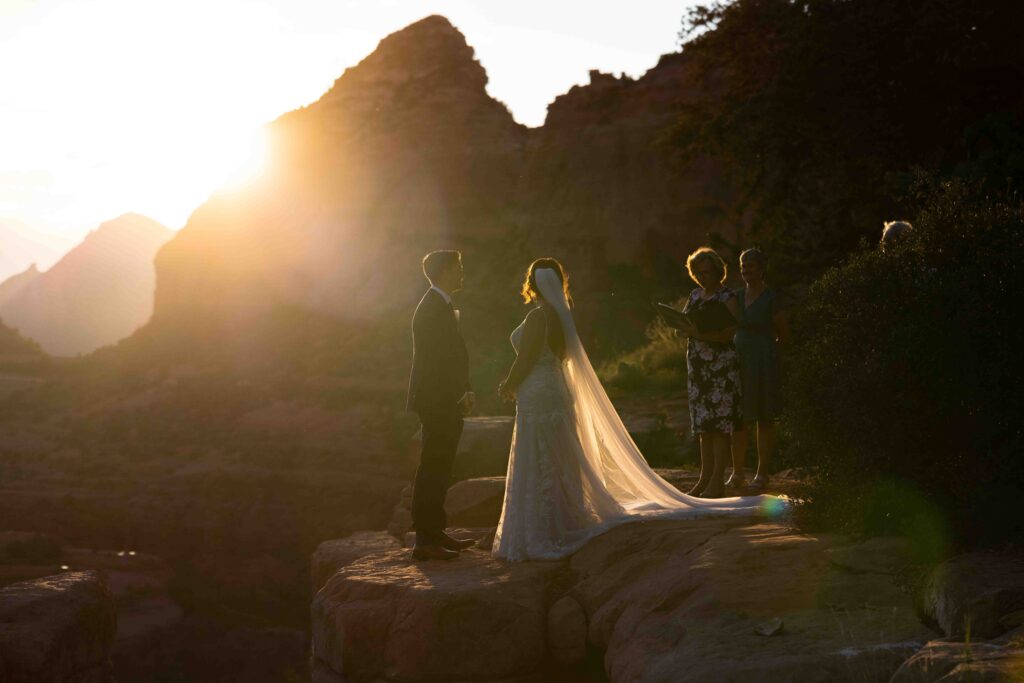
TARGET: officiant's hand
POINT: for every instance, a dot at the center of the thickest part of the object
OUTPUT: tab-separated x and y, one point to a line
686	330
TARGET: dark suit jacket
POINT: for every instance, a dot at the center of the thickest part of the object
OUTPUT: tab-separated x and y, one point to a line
440	363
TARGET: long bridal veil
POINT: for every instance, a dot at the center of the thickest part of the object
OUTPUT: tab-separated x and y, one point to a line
607	447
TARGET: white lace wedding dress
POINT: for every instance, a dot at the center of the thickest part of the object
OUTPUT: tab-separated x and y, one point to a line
573	470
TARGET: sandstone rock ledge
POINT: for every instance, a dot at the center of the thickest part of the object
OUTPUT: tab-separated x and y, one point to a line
57	628
722	600
385	616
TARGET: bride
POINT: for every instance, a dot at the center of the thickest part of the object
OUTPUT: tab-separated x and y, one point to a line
573	471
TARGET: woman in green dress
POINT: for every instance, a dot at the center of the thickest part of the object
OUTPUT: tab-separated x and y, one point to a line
762	327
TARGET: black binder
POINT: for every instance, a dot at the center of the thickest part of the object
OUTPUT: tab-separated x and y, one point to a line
710	316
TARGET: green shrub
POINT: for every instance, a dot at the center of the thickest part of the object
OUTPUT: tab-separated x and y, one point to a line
660	364
905	386
819	109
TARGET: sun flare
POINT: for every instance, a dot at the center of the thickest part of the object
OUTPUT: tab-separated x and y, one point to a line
246	160
117	105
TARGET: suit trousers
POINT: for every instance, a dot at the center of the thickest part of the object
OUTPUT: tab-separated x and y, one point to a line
441	433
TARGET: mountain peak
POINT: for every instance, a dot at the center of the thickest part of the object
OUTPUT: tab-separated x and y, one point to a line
431	38
99	292
131	225
429	55
434	22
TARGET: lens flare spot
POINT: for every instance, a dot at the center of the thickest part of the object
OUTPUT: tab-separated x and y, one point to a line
773	507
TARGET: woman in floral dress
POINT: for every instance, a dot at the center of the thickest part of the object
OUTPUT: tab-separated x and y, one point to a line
713	374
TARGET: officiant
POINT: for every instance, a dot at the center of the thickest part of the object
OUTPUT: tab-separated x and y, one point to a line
712	366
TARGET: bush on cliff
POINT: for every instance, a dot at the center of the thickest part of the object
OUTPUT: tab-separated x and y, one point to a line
904	389
820	109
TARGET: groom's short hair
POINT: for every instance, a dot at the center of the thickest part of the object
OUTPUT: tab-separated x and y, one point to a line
437	262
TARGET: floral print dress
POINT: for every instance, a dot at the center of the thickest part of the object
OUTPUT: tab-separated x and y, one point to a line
713	376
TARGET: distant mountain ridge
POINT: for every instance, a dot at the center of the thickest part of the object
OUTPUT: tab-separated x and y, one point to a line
14	345
22	244
12	286
98	293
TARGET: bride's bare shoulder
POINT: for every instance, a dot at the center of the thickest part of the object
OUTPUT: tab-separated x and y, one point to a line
534	319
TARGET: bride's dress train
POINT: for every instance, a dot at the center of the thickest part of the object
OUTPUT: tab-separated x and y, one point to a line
573	470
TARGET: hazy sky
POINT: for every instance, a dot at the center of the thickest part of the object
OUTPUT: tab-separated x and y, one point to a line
108	106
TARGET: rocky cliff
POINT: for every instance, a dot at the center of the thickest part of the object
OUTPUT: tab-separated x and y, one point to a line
57	628
98	293
722	600
406	153
712	599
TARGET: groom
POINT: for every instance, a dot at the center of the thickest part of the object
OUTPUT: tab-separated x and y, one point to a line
439	392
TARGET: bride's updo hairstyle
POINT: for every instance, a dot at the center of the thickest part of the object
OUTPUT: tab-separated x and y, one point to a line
530	291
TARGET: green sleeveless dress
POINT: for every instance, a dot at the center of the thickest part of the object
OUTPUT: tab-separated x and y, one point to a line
759	356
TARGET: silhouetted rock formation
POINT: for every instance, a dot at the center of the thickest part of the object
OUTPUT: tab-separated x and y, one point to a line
407	153
404	153
98	293
600	187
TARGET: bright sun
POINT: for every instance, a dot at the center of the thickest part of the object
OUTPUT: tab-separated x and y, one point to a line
122	105
246	159
143	122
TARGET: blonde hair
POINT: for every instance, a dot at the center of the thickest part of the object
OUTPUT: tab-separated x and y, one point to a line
710	255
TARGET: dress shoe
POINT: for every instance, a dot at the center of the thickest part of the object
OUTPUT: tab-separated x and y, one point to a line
454	543
433	552
734	482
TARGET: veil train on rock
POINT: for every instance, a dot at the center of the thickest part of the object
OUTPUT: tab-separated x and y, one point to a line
574	471
606	444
